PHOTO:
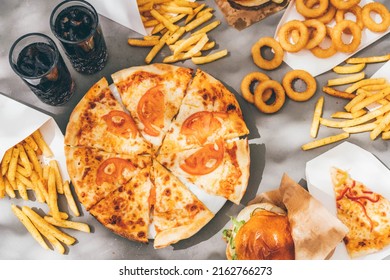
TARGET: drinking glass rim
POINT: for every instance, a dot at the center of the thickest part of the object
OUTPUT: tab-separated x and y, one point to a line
94	27
56	55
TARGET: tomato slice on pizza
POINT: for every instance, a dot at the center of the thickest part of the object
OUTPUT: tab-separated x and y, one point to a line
153	95
96	173
99	121
365	213
221	168
177	213
209	111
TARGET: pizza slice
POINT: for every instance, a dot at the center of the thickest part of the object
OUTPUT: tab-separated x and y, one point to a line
99	121
177	213
209	111
95	173
364	212
220	168
126	210
153	95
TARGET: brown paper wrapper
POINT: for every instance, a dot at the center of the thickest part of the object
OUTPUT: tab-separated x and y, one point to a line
316	232
241	19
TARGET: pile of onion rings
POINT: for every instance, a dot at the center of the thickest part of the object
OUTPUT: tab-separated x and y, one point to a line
313	33
269	95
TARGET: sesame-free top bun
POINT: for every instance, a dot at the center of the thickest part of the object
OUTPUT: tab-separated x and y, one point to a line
265	235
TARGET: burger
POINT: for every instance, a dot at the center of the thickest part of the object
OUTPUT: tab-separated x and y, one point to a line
260	232
253	5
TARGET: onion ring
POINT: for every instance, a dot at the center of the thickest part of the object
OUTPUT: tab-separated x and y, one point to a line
284	38
312	12
379	9
337	33
317	34
322	52
329	13
344	4
246	85
311	85
263	63
280	97
356	11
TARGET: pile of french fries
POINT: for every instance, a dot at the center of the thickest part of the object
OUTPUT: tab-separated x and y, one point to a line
368	109
22	171
163	17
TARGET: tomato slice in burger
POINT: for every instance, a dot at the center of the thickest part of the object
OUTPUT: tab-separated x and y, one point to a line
199	126
113	170
205	160
121	124
151	109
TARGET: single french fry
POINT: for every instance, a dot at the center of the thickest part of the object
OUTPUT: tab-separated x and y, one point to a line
160	27
353	102
207	28
70	199
6	160
176	10
45	173
179	57
338	93
358	113
187	43
31	142
42	224
346	80
360	120
13	164
68	224
153	52
52	190
22	189
151	23
360	128
54	165
39	190
372	59
325	141
365	82
198	46
380	127
371	99
32	156
2	187
205	11
386	135
184	3
29	226
341	115
24	159
142	43
195	12
169	25
375	87
349	69
175	36
22	171
151	37
209	58
26	181
198	21
209	45
8	188
42	144
146	7
316	117
64	215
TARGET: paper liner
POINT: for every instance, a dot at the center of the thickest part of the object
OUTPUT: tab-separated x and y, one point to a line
316	232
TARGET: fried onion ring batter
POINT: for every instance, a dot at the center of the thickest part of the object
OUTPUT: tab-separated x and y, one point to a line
325	52
247	82
344	4
379	9
314	11
277	104
284	36
311	85
263	63
338	31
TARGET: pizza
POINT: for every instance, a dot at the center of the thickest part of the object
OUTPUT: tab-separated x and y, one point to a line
365	213
137	158
100	121
153	95
177	212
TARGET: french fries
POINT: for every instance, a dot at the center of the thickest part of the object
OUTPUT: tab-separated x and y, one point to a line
68	224
164	16
22	172
349	69
325	141
316	117
372	59
346	80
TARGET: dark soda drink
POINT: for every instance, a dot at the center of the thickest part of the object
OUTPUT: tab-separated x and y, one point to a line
35	58
75	24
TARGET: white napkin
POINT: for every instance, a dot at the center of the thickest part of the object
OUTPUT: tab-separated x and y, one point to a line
124	12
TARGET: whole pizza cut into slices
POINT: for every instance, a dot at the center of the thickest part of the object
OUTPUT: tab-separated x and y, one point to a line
220	168
177	213
364	212
153	95
99	121
125	211
95	173
209	111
